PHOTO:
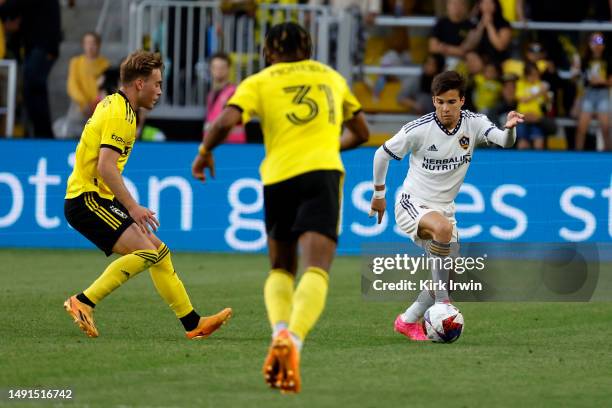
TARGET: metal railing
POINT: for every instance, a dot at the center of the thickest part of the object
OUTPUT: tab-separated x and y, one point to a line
114	21
430	21
188	33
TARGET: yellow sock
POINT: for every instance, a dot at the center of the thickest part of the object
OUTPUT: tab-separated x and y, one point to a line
118	272
308	301
168	284
278	294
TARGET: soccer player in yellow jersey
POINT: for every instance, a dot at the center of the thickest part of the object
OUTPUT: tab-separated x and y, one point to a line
302	105
100	207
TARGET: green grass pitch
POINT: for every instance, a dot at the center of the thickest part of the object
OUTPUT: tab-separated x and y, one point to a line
510	354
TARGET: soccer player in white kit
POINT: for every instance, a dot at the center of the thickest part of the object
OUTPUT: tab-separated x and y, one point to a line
440	145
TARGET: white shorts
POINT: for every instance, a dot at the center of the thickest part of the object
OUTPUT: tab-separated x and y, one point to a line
408	213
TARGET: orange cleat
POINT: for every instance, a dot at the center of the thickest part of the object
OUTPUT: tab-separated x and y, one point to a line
282	364
271	368
82	315
209	324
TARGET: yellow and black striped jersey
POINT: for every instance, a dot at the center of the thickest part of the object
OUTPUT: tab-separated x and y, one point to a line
301	106
113	126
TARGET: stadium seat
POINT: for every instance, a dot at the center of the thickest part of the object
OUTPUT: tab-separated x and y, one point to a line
387	102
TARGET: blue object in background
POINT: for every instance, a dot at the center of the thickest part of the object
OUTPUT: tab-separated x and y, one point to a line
507	196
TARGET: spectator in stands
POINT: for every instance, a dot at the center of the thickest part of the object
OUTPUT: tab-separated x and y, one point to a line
553	41
415	94
531	95
10	28
492	35
564	90
472	66
487	89
83	74
40	36
597	80
512	10
507	102
449	34
2	38
221	90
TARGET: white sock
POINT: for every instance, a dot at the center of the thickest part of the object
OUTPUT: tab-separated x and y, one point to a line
278	327
423	302
297	341
440	252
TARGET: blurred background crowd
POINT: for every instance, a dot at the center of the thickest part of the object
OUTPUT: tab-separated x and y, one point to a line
558	77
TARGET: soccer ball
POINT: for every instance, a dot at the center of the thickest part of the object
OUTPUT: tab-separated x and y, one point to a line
443	323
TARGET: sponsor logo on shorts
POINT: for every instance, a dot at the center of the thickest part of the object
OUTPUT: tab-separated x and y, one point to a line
118	212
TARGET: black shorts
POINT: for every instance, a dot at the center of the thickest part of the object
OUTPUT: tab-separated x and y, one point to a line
307	202
99	220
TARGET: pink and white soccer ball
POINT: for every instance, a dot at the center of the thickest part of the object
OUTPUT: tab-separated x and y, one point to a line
443	323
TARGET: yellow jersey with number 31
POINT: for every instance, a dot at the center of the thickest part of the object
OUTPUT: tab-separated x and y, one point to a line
113	126
301	106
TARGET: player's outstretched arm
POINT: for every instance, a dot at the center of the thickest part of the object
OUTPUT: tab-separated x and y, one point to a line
107	168
355	133
506	138
230	117
381	165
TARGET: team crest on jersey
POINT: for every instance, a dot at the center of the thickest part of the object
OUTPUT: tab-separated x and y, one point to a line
464	141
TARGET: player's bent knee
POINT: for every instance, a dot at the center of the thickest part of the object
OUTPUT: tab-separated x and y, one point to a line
443	231
133	239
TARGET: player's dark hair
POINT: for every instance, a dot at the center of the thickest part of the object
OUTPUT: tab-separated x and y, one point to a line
139	64
446	81
288	41
222	56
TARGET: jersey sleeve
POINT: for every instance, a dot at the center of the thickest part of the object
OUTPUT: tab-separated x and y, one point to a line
117	133
350	104
483	128
247	99
488	133
401	143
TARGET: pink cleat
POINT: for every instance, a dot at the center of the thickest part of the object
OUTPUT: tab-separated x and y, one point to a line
414	331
